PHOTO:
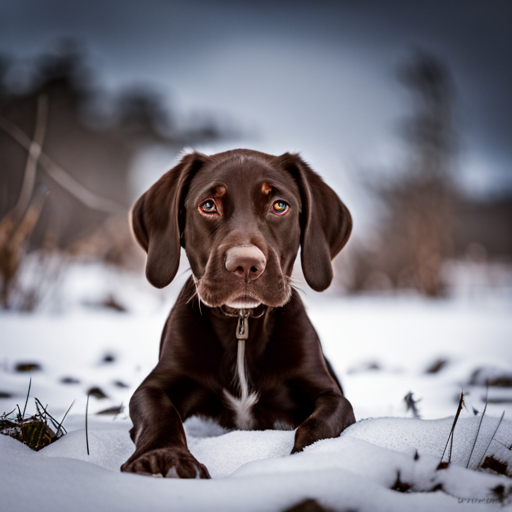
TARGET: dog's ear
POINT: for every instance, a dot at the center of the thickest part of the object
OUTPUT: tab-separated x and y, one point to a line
158	220
325	221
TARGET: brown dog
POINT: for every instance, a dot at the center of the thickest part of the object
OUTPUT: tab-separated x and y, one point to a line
247	356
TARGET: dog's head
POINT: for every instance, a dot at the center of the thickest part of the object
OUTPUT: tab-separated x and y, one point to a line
241	216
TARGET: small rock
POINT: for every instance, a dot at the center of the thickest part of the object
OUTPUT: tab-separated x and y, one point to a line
308	505
27	367
69	380
112	303
96	392
492	376
436	366
111	411
492	464
109	358
366	366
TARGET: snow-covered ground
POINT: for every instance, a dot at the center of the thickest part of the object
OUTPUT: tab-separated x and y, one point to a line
381	348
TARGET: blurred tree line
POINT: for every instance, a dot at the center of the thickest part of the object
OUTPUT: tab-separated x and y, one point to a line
66	148
425	220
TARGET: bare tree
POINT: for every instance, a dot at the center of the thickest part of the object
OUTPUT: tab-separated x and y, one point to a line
414	231
423	201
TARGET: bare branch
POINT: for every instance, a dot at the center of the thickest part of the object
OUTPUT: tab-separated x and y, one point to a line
57	173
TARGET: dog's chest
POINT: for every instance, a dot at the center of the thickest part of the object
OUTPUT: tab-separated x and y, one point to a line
242	401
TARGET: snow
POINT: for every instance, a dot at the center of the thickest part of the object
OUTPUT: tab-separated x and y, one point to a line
381	348
253	471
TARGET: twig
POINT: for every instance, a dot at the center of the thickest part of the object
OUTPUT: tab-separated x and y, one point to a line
479	425
34	152
86	426
412	405
490	441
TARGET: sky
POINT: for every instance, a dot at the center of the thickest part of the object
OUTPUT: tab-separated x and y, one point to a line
319	77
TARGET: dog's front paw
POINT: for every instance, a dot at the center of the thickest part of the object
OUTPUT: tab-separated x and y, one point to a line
314	429
166	462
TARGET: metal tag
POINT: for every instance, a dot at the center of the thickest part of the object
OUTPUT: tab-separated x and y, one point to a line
242	328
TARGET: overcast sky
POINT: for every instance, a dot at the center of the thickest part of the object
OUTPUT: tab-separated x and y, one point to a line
315	76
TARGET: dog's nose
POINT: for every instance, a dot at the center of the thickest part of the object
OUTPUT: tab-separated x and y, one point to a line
246	262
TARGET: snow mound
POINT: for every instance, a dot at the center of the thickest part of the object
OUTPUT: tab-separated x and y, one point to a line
108	447
431	436
376	464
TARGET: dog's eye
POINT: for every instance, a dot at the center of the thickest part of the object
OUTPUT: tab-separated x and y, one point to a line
208	207
280	208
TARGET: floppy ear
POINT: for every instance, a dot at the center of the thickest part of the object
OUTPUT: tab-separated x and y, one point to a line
157	220
326	223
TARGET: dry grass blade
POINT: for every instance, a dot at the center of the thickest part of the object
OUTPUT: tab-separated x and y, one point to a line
490	441
9	413
34	431
86	424
47	415
20	416
442	465
479	426
28	393
504	445
13	237
63	418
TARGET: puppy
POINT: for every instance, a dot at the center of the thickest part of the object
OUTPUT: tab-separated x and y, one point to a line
238	346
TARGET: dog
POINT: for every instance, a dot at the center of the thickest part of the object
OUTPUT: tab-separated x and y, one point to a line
237	346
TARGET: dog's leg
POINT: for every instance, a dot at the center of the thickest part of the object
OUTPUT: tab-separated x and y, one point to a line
333	414
332	373
159	437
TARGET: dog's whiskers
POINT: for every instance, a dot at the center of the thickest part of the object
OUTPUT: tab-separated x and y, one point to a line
194	293
295	287
199	299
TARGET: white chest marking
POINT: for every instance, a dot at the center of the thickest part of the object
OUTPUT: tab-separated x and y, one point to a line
242	406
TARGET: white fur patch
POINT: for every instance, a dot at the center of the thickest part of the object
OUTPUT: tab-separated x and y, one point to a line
242	406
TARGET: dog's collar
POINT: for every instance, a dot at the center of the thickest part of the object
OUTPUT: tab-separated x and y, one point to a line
256	312
243	314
